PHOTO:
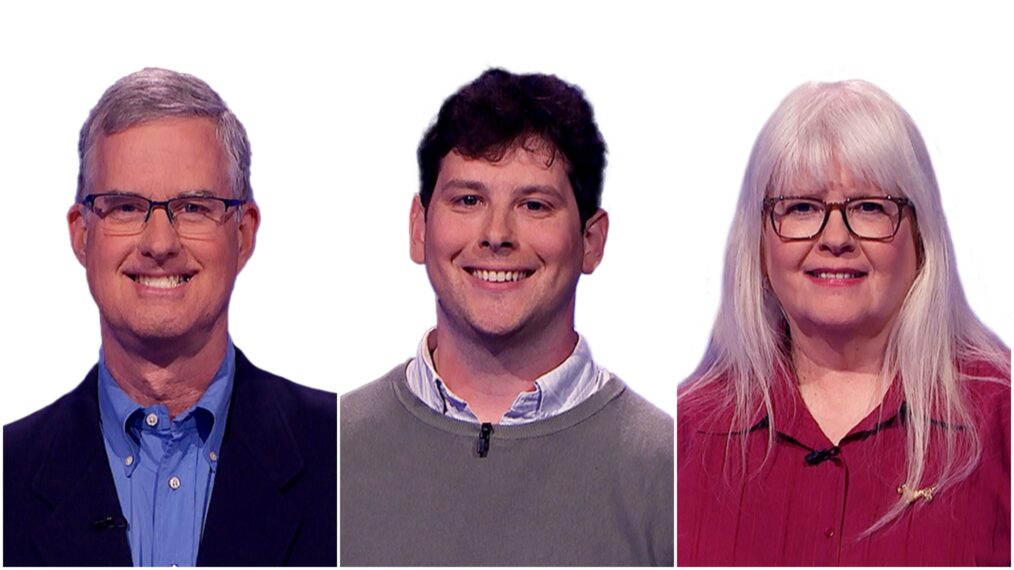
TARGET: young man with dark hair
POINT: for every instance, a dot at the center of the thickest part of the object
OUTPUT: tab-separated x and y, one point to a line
502	442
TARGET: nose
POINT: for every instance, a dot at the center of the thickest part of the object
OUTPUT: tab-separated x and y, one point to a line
159	239
498	230
836	237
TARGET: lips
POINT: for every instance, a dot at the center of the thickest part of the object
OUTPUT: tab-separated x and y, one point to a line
836	273
160	281
500	275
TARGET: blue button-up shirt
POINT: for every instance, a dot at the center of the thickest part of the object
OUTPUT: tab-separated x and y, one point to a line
164	469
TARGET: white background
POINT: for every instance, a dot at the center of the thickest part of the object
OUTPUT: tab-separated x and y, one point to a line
336	96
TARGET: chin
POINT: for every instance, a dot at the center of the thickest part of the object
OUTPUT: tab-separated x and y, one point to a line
491	328
493	325
154	327
160	331
843	324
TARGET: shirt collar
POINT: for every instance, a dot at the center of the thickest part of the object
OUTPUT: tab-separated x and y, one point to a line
557	391
793	419
118	413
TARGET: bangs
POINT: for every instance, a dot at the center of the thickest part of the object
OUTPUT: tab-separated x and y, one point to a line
839	131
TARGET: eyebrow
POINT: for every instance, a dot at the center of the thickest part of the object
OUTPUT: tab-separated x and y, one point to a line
540	189
464	184
821	193
525	190
200	193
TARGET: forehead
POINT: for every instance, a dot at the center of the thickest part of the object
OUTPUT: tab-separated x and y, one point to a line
519	169
837	182
165	155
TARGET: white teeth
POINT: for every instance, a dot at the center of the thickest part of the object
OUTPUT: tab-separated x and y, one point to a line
162	281
500	276
823	275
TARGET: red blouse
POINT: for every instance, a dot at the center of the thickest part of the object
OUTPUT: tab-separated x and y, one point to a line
809	502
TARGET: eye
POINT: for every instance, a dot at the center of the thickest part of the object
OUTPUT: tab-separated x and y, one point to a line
468	200
799	208
126	208
868	207
194	208
120	206
533	206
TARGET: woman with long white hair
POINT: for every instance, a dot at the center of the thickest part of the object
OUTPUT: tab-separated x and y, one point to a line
850	409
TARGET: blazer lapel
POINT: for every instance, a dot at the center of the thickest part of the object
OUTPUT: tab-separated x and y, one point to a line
250	522
86	527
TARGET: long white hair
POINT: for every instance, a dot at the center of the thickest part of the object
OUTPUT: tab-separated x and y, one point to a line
857	127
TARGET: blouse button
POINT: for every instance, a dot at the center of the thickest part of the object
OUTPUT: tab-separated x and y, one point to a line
829	533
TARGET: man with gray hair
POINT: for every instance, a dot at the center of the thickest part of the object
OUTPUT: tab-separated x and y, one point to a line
175	450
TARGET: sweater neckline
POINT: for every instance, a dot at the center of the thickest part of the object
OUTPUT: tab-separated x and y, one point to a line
398	382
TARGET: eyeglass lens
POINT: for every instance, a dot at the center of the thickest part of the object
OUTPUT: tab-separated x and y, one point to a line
127	214
801	218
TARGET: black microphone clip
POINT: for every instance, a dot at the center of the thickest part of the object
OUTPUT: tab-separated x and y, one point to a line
482	444
110	522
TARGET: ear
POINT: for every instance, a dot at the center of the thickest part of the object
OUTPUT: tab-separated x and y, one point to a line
417	231
78	231
249	221
596	230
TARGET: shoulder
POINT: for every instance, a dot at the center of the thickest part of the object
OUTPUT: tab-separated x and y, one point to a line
642	431
368	402
704	405
639	413
303	406
984	380
987	388
30	435
46	453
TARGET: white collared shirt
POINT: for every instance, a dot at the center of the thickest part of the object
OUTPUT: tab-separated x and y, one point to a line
560	389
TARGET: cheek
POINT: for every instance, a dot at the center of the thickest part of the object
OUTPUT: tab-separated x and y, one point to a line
562	248
220	257
449	233
442	240
778	258
105	255
900	261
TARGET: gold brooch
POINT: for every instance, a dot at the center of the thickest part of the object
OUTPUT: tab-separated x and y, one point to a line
912	495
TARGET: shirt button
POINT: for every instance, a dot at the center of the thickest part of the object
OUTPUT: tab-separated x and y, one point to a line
829	533
128	460
213	456
151	420
174	482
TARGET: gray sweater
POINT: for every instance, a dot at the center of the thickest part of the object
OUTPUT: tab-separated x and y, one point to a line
590	487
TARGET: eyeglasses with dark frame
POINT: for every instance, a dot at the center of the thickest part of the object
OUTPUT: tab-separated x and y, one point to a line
126	214
875	218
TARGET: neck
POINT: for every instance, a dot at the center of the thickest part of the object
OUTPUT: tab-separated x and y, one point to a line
489	372
173	372
839	377
844	353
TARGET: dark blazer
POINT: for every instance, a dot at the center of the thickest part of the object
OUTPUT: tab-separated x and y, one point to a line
274	502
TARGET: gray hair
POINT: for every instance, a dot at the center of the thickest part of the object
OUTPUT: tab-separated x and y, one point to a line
154	93
856	126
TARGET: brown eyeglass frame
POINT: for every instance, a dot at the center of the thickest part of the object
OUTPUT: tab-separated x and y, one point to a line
832	206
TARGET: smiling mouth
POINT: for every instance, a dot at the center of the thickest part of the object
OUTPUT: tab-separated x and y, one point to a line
161	281
836	274
499	276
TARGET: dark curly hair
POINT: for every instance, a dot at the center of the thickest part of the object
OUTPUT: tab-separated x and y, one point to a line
500	110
